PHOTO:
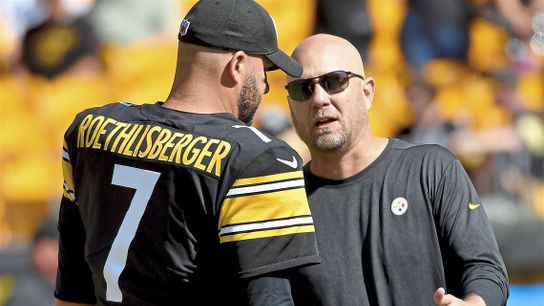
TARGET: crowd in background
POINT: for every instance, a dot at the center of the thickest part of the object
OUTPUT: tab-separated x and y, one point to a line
468	75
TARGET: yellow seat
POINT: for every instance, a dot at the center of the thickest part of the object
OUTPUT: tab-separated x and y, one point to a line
385	54
387	16
294	20
445	72
450	103
20	129
390	110
60	100
538	200
479	98
487	46
531	87
141	73
33	177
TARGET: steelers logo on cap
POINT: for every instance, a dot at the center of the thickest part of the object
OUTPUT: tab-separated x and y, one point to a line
399	206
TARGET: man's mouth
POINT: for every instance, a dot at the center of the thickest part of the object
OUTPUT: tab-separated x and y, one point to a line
324	121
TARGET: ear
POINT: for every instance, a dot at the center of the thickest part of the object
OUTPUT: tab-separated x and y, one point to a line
237	65
368	91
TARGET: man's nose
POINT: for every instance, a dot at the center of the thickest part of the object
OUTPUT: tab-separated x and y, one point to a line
320	97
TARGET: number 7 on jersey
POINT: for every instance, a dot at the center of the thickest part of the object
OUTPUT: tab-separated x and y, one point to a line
144	182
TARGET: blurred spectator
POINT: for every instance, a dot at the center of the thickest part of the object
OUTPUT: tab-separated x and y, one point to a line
524	21
514	153
35	284
435	29
348	19
429	126
62	43
125	22
273	120
16	17
519	15
521	171
528	126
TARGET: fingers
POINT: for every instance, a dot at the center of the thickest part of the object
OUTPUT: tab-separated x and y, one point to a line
441	298
438	296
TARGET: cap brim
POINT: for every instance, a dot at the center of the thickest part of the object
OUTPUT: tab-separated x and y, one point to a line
284	62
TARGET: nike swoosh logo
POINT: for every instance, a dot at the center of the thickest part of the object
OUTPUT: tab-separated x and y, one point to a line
473	206
293	164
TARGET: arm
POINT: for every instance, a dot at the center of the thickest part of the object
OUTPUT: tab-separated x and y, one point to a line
273	290
266	228
470	251
296	286
74	279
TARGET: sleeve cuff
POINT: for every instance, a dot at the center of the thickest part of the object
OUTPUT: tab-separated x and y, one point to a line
491	292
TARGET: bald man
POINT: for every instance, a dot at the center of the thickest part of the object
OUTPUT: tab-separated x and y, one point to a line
396	223
184	202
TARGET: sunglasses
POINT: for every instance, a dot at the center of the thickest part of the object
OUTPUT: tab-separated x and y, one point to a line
332	82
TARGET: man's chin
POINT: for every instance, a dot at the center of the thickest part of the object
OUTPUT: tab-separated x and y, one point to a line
329	143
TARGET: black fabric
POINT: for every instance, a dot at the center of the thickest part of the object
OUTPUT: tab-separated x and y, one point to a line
372	256
176	252
74	281
286	288
269	291
236	25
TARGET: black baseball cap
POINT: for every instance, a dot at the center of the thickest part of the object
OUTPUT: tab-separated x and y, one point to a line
236	25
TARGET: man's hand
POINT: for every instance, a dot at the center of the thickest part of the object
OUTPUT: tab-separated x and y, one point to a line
442	299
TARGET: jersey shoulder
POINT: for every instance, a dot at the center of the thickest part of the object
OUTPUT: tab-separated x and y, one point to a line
115	109
259	153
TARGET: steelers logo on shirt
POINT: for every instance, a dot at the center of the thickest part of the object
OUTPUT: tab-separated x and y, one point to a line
399	206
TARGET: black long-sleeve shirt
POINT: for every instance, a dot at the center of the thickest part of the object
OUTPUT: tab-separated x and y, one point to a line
406	225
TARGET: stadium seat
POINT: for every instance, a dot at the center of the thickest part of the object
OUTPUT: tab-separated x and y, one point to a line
33	177
387	17
531	86
141	73
20	129
60	100
390	109
487	46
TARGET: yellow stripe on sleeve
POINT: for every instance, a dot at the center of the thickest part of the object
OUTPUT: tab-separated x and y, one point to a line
68	178
268	178
268	233
264	206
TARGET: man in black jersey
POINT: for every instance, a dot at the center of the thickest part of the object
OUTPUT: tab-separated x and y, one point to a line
183	202
396	223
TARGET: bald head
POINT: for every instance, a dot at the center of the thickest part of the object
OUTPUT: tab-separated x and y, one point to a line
194	59
209	80
330	111
323	53
198	67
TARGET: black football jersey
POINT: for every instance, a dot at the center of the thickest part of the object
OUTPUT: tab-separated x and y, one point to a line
163	207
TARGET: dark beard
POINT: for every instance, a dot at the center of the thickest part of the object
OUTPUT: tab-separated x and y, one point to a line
249	100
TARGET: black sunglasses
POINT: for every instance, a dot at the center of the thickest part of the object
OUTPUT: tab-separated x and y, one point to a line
332	82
